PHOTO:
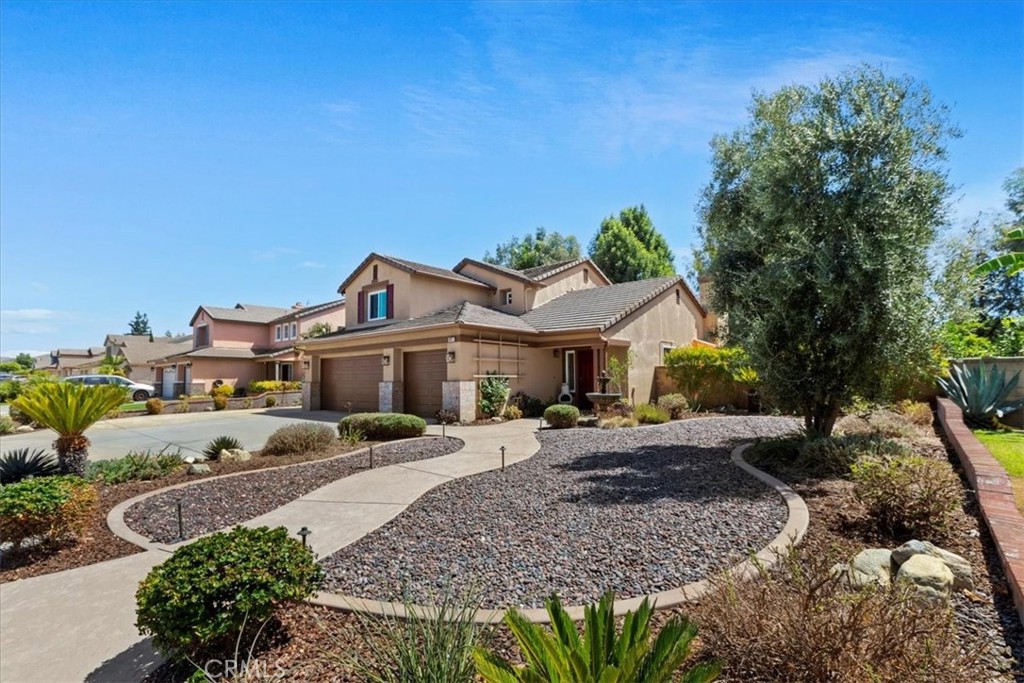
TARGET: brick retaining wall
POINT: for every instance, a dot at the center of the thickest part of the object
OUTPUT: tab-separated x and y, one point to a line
995	497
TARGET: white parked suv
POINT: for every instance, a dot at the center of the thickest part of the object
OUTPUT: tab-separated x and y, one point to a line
138	391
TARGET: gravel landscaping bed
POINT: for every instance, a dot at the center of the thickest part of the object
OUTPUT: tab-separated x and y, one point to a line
634	510
218	503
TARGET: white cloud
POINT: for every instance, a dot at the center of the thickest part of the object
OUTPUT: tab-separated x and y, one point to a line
12	353
30	320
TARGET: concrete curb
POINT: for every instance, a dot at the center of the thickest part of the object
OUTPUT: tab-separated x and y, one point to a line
115	518
792	533
995	496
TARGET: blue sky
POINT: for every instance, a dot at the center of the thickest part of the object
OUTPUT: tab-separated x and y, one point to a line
159	156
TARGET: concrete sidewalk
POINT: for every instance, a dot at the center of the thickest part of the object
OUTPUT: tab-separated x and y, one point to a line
78	625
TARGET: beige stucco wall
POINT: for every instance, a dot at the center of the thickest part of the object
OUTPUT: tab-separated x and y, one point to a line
228	334
663	321
572	279
334	317
231	371
521	293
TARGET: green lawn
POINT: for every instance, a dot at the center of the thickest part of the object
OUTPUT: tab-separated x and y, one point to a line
136	405
1008	449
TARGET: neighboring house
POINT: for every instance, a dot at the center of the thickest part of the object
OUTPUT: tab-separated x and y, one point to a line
68	362
238	345
419	338
140	353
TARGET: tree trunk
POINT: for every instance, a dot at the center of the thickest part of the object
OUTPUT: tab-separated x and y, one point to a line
820	418
73	461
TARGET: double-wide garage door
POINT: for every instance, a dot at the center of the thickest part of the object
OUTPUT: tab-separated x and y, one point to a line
425	371
351	383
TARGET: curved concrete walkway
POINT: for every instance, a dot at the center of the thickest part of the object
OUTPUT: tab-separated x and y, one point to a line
79	625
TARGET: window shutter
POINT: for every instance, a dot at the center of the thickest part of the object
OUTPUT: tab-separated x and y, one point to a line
391	301
361	306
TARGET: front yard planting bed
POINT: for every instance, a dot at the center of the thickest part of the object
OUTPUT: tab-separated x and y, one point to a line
634	510
211	505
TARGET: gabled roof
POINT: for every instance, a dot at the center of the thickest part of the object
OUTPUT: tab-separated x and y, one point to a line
140	350
459	314
545	271
508	272
241	313
81	353
411	267
597	307
306	311
118	339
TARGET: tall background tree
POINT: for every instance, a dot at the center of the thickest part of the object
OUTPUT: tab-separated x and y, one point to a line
26	361
815	230
139	325
539	249
627	247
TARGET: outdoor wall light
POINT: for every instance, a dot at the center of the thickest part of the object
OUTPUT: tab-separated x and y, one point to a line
305	364
450	356
385	360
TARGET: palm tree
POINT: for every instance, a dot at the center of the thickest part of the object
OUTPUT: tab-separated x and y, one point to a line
69	409
112	365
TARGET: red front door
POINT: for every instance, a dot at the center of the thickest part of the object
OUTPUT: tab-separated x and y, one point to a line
584	377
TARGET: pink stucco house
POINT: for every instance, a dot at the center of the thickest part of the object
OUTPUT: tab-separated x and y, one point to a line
245	343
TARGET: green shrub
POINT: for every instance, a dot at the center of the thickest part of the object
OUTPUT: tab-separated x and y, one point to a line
700	370
512	413
246	403
7	425
917	412
270	401
350	436
154	406
225	390
909	496
299	438
10	390
383	426
136	466
181	406
602	654
877	421
220	402
675	404
264	386
618	422
645	413
562	416
221	443
198	602
27	462
434	648
446	417
50	507
531	407
493	395
826	457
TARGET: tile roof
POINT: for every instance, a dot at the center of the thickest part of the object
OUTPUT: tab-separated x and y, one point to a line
464	313
598	307
242	313
545	271
515	274
219	352
412	267
140	350
305	311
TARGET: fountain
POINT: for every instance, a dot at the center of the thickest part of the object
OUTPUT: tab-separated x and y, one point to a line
603	399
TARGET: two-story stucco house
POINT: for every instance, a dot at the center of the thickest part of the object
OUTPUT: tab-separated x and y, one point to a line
418	338
241	344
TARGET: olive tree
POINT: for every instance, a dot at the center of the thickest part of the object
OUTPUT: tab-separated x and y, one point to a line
815	228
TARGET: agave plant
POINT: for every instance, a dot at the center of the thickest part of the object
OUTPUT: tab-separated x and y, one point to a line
600	655
27	462
221	443
69	409
982	392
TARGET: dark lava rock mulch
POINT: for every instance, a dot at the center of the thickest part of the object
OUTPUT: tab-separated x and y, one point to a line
219	503
633	510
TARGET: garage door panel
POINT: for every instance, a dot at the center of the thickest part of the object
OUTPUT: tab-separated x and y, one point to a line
351	381
425	371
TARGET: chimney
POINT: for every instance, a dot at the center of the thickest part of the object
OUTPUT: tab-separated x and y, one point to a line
298	305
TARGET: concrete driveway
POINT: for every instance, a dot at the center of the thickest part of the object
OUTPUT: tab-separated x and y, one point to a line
189	432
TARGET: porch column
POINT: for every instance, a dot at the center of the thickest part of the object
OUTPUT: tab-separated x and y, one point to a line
311	384
390	392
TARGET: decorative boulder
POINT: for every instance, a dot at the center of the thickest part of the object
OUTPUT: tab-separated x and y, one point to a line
234	455
871	565
963	577
198	468
929	575
24	429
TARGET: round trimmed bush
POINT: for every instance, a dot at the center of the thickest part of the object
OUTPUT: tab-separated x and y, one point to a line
154	406
299	438
197	603
910	496
383	426
675	404
225	390
220	402
270	401
50	507
562	416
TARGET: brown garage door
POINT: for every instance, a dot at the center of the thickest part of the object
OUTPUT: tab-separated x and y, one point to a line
424	372
354	381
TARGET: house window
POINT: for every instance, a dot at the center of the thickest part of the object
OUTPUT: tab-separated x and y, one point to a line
586	275
202	336
375	272
292	332
665	348
378	305
570	371
506	297
277	333
679	296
